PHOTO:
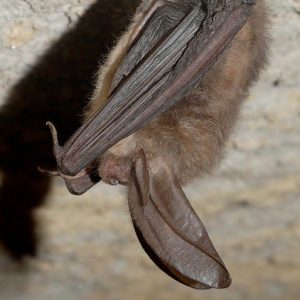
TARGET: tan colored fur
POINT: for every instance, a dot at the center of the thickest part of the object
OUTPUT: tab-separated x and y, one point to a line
191	136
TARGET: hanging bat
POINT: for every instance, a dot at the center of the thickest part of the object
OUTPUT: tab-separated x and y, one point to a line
164	106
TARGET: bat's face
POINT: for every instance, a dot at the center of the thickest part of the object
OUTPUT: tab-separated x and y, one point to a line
170	47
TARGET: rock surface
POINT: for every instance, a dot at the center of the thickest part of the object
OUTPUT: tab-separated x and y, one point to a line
251	206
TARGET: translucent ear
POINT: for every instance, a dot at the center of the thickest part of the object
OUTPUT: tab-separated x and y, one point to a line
170	231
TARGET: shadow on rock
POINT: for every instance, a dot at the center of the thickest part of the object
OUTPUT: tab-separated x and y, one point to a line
56	89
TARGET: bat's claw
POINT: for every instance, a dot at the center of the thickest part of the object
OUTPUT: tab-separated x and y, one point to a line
48	172
56	147
56	151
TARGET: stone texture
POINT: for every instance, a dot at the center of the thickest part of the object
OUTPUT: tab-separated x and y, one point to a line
251	206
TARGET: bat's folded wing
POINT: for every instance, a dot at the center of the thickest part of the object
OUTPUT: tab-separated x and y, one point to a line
170	53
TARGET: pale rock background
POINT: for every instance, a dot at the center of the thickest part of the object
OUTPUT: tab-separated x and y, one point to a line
251	205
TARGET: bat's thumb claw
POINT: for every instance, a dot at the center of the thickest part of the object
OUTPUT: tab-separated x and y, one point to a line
56	146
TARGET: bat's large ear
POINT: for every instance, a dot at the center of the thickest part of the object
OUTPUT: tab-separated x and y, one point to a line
170	231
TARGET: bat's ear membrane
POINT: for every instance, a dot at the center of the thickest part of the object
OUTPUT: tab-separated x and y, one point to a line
170	231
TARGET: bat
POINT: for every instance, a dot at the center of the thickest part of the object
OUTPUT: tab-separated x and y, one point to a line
164	105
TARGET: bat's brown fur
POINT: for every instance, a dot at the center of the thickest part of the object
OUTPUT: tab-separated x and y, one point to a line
191	136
